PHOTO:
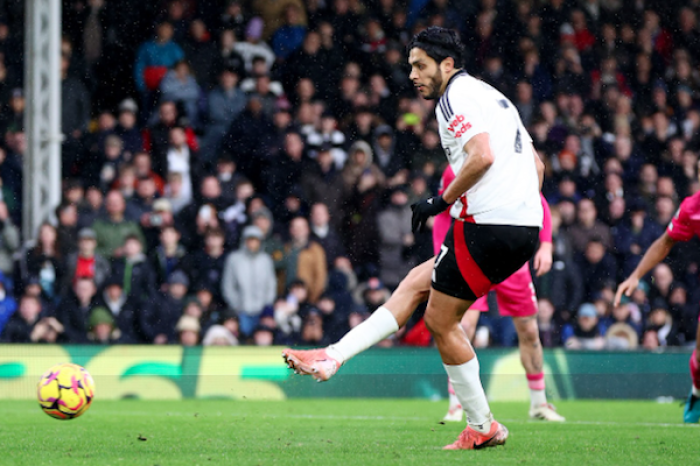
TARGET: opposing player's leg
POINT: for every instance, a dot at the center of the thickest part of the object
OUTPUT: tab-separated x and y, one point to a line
469	321
691	413
517	299
323	363
532	359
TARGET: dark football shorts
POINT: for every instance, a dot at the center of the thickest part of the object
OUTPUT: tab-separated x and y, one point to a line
475	257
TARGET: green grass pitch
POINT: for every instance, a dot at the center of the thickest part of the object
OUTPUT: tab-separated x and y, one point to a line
338	432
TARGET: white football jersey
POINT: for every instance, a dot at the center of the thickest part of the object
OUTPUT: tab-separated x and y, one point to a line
508	193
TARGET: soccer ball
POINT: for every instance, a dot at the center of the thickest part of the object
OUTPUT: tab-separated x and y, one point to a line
65	391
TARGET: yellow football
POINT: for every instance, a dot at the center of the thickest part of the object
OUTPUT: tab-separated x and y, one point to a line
65	391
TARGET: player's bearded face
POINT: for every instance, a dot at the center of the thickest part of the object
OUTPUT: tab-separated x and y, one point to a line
433	89
425	74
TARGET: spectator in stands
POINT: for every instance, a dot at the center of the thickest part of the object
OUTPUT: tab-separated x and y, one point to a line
206	265
74	310
634	237
44	260
157	321
662	324
549	328
325	234
254	46
67	227
126	128
168	255
133	270
9	240
287	169
75	117
224	103
143	169
85	263
180	86
218	335
597	266
248	283
588	227
28	325
112	230
394	223
153	59
289	37
188	329
200	52
102	328
228	57
8	305
305	259
585	334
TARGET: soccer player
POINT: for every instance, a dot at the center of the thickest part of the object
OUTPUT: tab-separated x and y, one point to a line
495	201
683	227
516	298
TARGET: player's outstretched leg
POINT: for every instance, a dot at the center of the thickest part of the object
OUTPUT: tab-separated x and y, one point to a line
691	413
442	317
533	362
323	363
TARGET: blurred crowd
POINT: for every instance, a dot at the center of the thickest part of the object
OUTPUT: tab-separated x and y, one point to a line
240	172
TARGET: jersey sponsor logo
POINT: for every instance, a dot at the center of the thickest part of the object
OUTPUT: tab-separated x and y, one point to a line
463	129
455	123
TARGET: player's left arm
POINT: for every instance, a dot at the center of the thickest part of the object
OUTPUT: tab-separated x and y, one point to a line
479	159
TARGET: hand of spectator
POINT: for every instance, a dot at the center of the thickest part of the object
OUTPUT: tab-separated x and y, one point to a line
400	178
627	287
160	339
543	259
367	181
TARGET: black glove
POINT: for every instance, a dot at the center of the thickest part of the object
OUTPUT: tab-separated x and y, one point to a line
425	209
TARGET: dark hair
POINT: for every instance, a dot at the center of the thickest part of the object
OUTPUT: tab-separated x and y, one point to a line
439	43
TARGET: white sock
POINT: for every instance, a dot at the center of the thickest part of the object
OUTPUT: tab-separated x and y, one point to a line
467	385
377	327
696	391
537	398
454	401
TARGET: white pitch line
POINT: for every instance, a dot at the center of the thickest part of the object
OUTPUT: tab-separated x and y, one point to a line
332	417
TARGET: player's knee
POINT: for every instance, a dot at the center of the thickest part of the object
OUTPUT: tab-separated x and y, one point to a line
528	332
432	322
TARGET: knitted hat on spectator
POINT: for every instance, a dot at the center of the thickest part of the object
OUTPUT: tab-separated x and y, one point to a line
100	315
251	231
587	310
255	27
188	323
218	333
87	233
178	277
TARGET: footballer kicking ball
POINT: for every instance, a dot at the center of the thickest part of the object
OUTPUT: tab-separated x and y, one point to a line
65	391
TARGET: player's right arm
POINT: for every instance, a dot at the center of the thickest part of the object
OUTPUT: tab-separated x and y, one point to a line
655	254
678	230
480	157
